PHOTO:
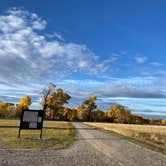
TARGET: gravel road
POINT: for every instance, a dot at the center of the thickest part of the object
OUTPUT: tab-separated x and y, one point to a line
92	148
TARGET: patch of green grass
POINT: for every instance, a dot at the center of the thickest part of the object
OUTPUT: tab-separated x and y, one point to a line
56	135
139	142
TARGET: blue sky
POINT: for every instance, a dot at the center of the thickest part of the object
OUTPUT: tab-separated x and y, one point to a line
112	49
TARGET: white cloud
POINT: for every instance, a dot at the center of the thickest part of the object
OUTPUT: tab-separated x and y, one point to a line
56	36
135	87
140	59
157	64
26	55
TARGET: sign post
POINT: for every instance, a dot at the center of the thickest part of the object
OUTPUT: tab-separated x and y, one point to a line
31	120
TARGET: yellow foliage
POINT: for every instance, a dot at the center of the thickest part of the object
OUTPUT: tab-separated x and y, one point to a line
70	114
18	110
25	102
98	116
6	110
117	113
92	98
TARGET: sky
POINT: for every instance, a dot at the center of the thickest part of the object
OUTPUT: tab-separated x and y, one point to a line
113	49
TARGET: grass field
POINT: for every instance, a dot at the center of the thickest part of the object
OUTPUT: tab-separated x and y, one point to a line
56	135
154	136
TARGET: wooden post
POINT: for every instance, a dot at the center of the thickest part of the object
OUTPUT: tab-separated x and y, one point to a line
19	132
41	133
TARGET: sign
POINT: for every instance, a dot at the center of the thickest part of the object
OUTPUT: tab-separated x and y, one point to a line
30	116
31	120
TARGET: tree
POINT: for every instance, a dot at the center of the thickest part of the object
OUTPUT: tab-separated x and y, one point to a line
80	112
138	119
10	110
7	110
87	107
151	120
98	116
18	110
48	115
163	122
3	110
73	115
56	101
46	92
70	114
24	104
118	113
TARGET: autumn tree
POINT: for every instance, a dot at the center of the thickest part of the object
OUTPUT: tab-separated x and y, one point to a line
138	119
73	115
163	122
56	101
10	110
7	110
2	109
70	114
80	112
98	116
46	92
87	107
151	120
118	113
24	104
48	115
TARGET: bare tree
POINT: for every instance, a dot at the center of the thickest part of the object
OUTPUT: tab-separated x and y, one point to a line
46	92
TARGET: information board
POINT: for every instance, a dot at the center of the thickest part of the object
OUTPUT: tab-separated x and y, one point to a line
31	120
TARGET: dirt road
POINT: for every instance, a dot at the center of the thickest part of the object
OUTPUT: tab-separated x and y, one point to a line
93	148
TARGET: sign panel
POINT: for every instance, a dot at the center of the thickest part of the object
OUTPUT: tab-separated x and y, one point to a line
33	125
31	120
30	116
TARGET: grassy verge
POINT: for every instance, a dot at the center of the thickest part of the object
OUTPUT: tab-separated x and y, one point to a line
158	146
56	135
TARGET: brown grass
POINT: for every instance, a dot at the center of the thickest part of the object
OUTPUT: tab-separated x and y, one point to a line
56	135
153	135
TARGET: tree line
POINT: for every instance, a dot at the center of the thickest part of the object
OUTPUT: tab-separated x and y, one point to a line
54	103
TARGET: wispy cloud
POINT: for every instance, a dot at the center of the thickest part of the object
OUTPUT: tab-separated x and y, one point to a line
157	64
56	36
134	87
132	92
140	59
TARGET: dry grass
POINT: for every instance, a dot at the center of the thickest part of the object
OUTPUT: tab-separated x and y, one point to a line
153	135
56	135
